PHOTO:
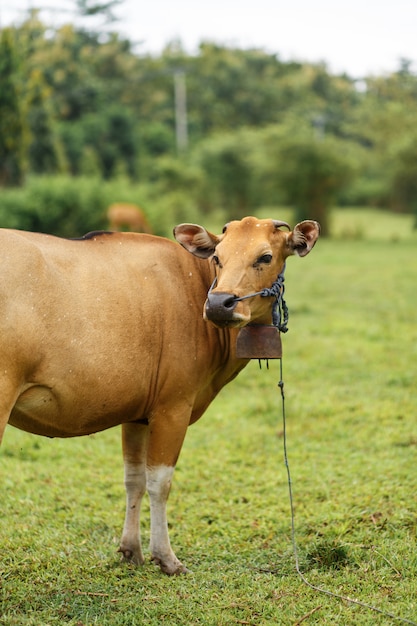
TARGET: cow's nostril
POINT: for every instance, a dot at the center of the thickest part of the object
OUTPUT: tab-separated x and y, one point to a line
230	303
220	307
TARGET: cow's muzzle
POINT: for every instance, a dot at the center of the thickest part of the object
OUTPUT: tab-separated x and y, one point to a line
220	309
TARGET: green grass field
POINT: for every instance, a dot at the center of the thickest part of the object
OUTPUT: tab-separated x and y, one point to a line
350	366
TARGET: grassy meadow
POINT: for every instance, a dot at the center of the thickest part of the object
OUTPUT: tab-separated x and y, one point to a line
350	366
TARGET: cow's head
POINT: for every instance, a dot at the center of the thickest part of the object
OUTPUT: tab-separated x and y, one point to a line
248	257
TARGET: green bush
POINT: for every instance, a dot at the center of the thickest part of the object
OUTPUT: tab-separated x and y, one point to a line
71	206
57	205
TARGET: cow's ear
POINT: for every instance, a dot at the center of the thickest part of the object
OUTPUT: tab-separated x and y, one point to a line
196	239
303	237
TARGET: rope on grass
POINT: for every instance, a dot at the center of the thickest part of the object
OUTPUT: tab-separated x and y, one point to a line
293	537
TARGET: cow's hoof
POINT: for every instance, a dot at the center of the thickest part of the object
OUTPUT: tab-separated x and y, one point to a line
174	568
132	556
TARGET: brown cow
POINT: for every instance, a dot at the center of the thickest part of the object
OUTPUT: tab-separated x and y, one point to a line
109	330
130	217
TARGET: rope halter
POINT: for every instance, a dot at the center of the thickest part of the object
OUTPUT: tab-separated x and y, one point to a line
279	307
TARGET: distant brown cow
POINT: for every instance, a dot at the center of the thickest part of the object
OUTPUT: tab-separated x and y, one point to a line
111	329
128	217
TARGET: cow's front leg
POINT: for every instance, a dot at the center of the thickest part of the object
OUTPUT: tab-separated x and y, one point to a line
159	485
135	440
166	438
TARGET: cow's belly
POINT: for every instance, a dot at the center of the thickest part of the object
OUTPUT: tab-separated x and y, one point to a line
40	411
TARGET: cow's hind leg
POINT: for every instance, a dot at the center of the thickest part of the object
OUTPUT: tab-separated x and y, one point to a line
135	441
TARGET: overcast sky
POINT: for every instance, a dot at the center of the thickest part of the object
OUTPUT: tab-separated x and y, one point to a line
360	37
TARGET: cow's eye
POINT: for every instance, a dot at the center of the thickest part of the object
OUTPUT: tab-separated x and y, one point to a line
216	261
265	259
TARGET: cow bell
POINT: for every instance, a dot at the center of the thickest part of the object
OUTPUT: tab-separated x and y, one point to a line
257	341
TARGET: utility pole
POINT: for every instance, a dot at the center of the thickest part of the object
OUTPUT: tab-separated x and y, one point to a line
180	110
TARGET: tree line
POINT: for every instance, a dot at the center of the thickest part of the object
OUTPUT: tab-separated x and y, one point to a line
225	127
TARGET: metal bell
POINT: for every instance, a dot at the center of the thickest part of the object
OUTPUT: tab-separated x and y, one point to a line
258	342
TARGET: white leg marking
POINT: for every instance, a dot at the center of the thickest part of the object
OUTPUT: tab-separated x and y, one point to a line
159	484
135	483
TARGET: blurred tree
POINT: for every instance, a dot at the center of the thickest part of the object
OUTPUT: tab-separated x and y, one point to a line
92	7
403	176
227	175
12	127
112	134
76	90
384	116
230	88
72	137
44	152
310	174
